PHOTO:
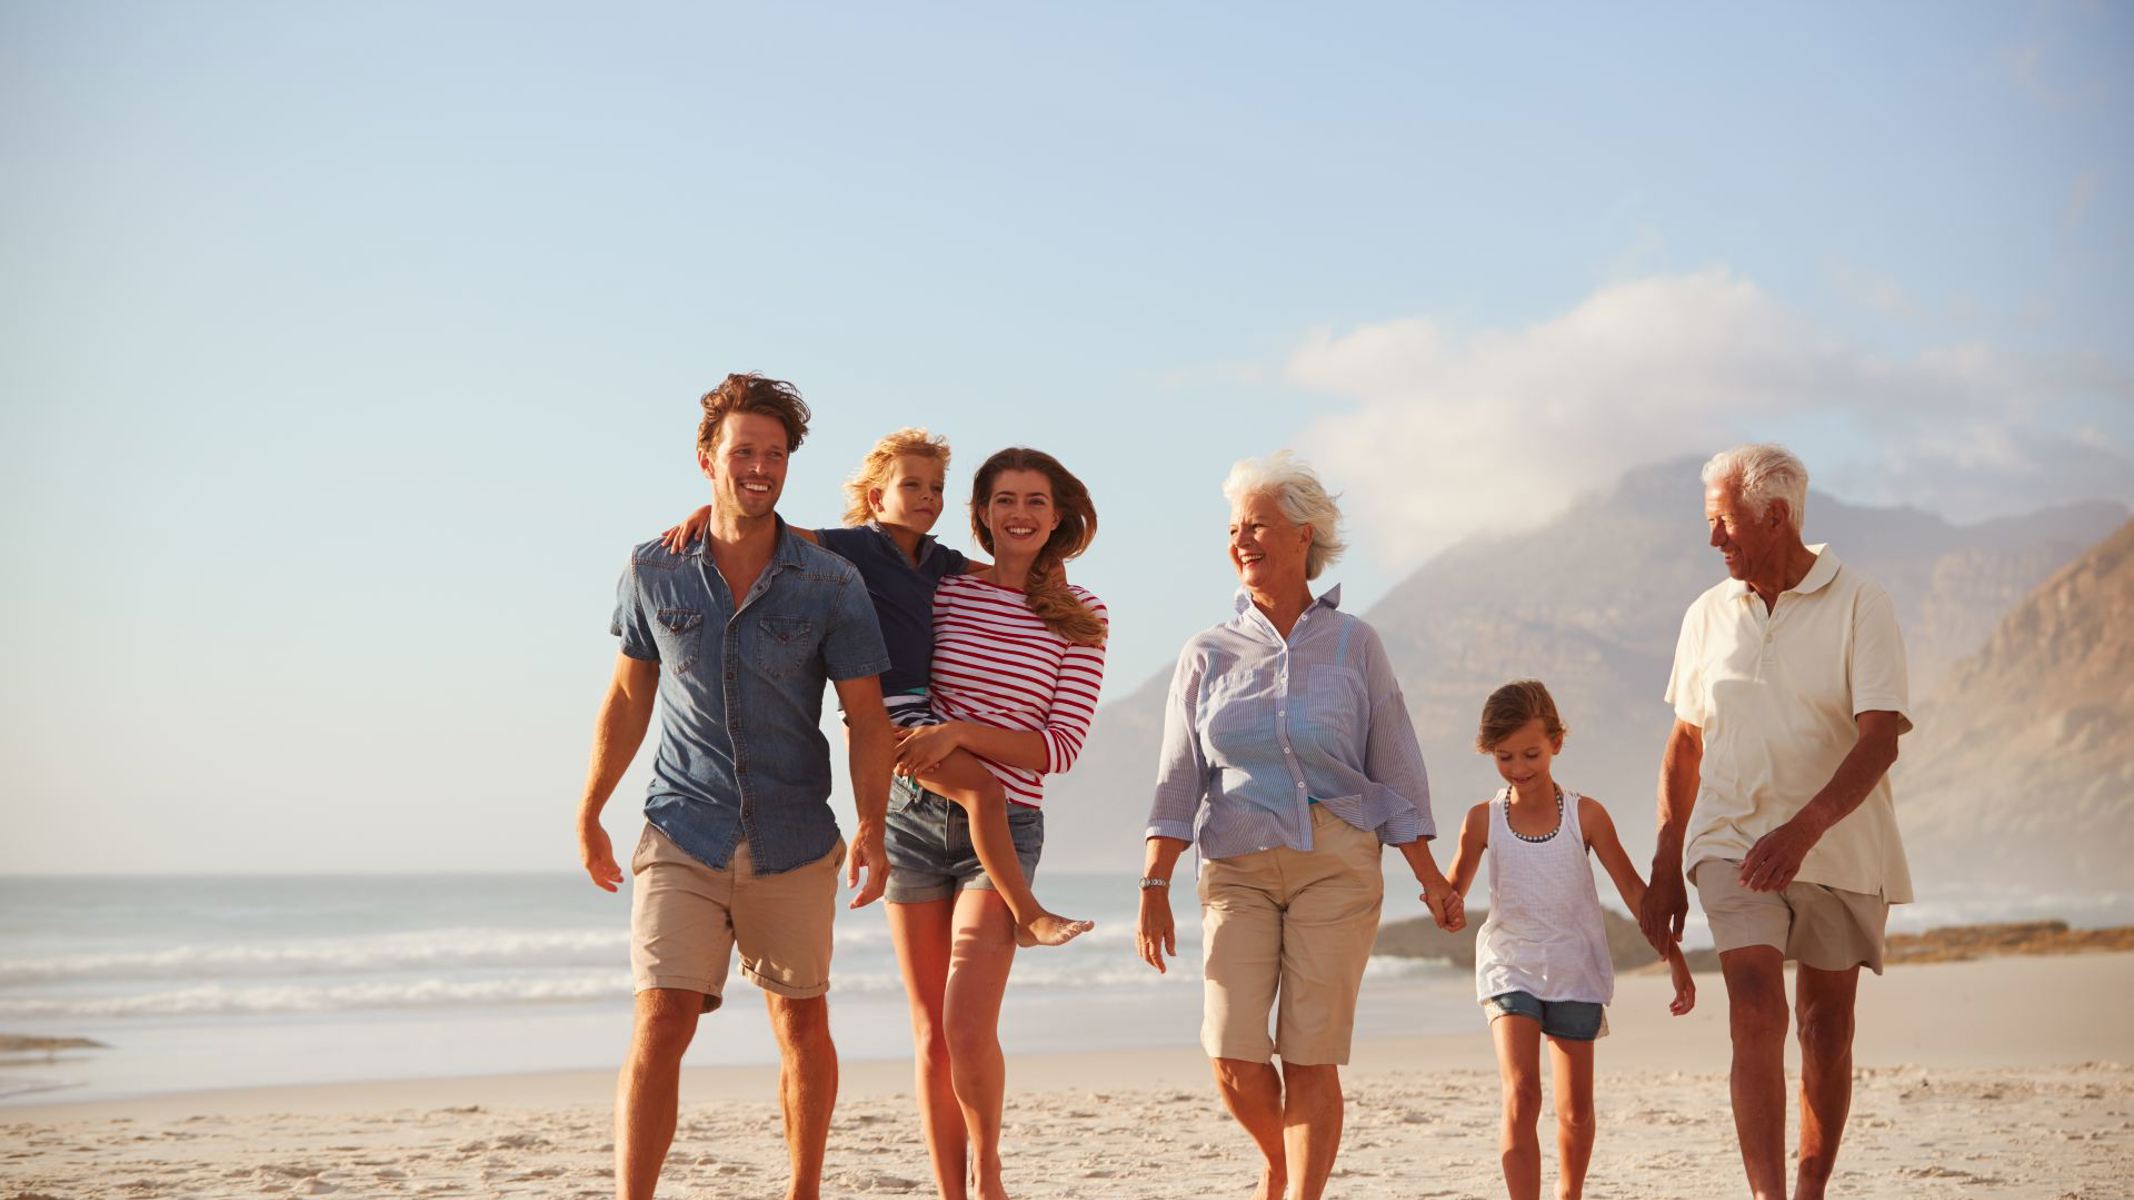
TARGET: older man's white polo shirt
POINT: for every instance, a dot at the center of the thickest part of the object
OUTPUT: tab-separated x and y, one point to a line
1776	694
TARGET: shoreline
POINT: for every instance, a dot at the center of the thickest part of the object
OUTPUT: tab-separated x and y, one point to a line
2087	1026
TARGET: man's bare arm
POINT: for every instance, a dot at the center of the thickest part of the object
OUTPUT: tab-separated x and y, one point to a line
1666	905
873	750
625	714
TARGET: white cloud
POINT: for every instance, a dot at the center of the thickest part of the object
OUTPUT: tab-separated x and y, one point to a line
1437	434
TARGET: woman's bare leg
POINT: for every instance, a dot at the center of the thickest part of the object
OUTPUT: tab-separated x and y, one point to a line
923	934
965	781
982	953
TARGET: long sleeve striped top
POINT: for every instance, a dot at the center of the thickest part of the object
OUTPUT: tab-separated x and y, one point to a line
996	664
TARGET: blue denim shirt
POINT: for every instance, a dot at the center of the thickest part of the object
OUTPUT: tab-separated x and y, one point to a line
741	750
1259	727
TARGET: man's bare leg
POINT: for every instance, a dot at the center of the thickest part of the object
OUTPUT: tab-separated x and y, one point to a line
1756	1002
965	781
648	1090
807	1086
923	934
1824	1008
1311	1126
1252	1091
984	950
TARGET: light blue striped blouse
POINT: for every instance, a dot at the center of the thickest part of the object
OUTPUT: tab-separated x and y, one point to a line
1257	729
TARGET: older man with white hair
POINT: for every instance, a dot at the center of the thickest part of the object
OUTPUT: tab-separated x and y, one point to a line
1789	696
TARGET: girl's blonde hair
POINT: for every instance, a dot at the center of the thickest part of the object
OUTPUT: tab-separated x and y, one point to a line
875	468
1510	707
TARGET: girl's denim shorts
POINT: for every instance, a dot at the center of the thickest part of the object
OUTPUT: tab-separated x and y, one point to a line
1571	1020
930	852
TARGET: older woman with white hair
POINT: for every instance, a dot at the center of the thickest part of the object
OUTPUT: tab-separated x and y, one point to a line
1288	756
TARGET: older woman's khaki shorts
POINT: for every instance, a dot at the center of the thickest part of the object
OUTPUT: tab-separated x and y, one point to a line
1294	929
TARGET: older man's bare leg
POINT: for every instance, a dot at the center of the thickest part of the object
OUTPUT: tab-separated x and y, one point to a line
1823	1008
807	1086
1756	1003
648	1090
1252	1091
1311	1126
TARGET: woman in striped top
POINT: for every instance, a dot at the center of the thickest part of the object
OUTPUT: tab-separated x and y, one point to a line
1018	660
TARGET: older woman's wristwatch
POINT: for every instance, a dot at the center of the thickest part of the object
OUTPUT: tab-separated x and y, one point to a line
1150	881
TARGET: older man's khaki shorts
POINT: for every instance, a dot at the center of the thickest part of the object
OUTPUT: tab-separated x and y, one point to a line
1283	926
1827	928
686	920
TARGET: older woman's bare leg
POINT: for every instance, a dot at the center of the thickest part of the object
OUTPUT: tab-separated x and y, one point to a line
1252	1091
1311	1126
982	953
924	934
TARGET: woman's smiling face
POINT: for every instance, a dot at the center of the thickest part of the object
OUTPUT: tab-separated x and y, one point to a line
1267	548
1020	514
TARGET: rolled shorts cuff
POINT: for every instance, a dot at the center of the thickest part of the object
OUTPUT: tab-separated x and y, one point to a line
780	988
684	983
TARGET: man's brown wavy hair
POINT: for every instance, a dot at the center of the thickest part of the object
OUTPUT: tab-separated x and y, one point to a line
753	393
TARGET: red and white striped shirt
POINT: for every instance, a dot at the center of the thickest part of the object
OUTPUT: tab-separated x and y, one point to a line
996	664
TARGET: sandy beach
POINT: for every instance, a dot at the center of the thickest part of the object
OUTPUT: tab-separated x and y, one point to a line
2004	1077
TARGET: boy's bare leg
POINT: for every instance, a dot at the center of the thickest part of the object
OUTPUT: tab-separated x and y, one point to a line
964	780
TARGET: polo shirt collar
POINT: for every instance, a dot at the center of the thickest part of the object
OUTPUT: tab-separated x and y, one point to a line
1817	578
926	541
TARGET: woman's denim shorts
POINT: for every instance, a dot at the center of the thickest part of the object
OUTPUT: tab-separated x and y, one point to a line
930	851
1571	1020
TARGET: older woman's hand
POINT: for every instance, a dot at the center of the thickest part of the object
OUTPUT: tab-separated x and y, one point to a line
1447	907
1156	934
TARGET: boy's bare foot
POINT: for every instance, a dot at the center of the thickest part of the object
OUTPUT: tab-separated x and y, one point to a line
1050	929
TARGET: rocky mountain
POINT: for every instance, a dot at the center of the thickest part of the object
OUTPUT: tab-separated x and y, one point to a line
1591	604
2022	766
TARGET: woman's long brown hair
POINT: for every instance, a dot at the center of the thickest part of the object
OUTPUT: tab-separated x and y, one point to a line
1046	589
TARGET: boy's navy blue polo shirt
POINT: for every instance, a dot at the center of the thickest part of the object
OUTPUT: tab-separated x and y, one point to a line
903	595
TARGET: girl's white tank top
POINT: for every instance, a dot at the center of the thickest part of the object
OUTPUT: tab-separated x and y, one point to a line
1544	934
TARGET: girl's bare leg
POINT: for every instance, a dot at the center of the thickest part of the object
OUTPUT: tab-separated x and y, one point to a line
965	781
1572	1065
923	935
1519	1065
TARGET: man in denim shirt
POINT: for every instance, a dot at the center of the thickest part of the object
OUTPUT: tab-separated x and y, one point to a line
736	637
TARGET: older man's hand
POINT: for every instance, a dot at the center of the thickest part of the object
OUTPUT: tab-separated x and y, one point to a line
1665	909
1777	856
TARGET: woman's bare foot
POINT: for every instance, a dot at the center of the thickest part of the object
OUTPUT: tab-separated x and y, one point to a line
1050	929
1273	1183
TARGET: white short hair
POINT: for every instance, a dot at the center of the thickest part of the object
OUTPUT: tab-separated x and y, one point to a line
1762	472
1302	498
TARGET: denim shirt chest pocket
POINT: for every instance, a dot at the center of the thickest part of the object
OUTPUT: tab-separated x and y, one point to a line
679	633
783	646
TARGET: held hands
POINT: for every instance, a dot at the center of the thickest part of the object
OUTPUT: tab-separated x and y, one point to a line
869	852
1666	907
1447	907
1776	857
923	748
1155	934
598	855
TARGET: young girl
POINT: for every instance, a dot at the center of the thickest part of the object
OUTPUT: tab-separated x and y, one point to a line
894	500
1541	960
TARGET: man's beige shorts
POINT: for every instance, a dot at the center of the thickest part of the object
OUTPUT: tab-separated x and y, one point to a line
1821	927
686	919
1296	929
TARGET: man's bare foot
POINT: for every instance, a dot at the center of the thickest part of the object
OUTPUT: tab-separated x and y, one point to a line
1051	930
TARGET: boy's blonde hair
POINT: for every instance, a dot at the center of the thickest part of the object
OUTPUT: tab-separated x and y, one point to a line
1510	707
874	469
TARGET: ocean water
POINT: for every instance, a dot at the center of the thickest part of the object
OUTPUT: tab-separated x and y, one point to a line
197	983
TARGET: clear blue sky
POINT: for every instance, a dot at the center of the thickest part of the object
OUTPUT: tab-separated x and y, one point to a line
345	351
